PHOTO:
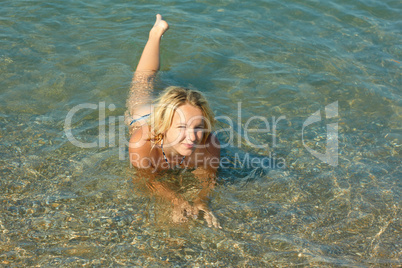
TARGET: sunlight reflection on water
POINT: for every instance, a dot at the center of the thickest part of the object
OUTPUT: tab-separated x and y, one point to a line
67	206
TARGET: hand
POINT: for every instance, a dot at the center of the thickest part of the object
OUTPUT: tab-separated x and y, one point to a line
208	215
182	211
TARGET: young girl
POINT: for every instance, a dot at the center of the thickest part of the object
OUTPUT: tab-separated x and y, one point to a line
172	132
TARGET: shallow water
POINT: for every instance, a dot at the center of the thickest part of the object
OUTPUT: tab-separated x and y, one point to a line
62	205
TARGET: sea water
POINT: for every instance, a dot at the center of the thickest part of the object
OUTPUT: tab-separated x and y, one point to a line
308	100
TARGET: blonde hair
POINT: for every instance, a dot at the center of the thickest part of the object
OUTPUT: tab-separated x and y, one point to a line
167	104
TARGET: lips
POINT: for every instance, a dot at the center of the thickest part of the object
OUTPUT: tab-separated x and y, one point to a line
188	145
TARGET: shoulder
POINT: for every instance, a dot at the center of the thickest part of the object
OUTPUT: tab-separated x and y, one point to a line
211	153
139	147
213	146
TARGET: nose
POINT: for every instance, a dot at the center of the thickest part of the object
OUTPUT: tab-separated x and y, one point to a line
191	135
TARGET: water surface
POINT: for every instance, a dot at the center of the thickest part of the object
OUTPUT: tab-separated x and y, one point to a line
62	205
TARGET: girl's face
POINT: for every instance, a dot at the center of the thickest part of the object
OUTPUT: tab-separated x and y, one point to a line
186	131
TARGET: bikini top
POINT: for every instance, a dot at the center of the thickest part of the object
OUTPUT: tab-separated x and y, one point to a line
163	152
138	119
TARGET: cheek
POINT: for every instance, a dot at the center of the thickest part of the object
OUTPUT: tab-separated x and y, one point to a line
181	134
174	134
200	135
169	135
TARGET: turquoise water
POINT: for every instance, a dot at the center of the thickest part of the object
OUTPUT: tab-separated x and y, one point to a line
62	205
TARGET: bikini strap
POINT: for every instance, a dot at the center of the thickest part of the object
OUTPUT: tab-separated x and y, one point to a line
166	160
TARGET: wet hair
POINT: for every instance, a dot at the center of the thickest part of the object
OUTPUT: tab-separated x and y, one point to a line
172	98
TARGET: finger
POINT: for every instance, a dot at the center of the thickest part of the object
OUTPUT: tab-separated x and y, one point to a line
208	219
178	216
187	209
195	212
212	220
215	222
207	213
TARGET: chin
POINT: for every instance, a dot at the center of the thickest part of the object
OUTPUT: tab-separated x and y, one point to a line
186	151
